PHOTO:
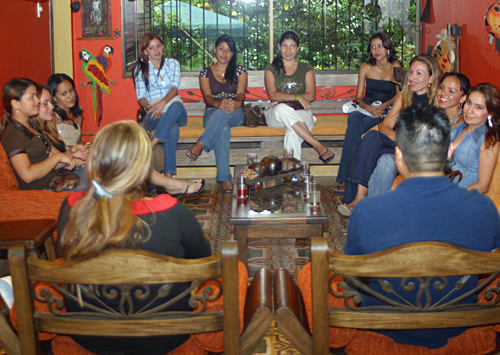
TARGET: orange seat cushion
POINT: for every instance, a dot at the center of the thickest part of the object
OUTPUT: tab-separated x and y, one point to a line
326	125
474	341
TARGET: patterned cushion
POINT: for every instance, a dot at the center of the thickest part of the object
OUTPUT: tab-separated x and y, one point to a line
474	341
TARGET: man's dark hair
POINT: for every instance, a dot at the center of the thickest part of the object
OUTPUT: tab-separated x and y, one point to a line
423	135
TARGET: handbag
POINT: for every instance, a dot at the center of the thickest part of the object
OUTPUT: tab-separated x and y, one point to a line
293	104
254	115
64	181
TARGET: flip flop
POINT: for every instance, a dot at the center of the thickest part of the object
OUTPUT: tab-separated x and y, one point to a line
327	160
344	210
340	189
189	183
192	155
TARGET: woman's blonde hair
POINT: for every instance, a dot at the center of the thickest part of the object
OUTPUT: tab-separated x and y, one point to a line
434	71
120	161
42	125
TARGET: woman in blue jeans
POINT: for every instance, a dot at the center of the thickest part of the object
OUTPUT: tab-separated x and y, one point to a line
157	80
377	75
420	87
223	86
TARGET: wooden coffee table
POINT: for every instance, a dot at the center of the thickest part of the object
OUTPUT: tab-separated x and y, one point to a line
300	221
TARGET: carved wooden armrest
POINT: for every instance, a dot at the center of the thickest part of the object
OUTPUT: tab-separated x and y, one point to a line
290	312
258	312
287	294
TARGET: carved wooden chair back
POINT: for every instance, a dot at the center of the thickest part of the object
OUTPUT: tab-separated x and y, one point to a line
124	268
423	266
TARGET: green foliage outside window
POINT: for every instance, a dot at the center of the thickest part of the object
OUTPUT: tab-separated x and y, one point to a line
334	33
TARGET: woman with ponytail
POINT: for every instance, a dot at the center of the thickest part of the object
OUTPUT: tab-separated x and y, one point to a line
115	213
291	86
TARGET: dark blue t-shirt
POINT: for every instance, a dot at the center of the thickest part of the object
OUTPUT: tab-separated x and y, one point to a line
424	209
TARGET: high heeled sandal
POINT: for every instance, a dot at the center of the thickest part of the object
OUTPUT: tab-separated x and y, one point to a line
192	155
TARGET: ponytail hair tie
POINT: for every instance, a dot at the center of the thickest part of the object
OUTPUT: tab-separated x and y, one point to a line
100	191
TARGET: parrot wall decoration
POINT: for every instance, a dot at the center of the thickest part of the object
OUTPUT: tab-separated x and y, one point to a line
96	70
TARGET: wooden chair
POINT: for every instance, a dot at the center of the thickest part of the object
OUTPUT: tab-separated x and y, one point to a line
139	267
417	261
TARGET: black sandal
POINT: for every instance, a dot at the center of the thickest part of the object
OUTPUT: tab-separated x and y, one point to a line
329	159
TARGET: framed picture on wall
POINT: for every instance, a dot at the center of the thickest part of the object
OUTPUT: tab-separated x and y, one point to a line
96	18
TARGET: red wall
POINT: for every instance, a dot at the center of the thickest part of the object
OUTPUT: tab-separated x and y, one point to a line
121	103
25	41
478	58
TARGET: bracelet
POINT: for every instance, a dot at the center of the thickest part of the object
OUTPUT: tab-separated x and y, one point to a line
296	98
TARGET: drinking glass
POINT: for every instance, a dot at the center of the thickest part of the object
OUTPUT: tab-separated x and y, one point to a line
241	188
252	158
287	153
315	193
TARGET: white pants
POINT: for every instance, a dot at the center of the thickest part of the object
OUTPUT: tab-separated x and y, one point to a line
284	117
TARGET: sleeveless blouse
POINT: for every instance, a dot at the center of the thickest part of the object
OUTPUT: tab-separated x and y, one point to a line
379	90
466	155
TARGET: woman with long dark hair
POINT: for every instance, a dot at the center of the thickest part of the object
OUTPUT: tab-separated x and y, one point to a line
377	75
157	81
31	154
223	86
476	141
291	86
67	108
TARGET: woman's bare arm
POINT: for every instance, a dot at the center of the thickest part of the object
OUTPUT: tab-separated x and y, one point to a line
487	163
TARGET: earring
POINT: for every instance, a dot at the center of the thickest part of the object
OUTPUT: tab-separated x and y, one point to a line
490	122
388	53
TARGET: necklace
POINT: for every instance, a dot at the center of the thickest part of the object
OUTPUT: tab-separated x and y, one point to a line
455	118
384	68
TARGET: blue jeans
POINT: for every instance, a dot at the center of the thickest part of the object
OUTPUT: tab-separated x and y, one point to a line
364	159
167	131
217	136
383	176
357	125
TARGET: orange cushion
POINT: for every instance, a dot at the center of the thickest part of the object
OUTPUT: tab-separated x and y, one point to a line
339	337
326	125
478	340
40	307
65	345
214	341
8	180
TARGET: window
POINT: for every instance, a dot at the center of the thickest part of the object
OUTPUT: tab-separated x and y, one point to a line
334	33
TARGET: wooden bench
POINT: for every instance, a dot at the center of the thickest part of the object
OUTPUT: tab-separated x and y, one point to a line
333	90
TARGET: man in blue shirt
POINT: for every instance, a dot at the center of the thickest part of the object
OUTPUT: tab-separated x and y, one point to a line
426	206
